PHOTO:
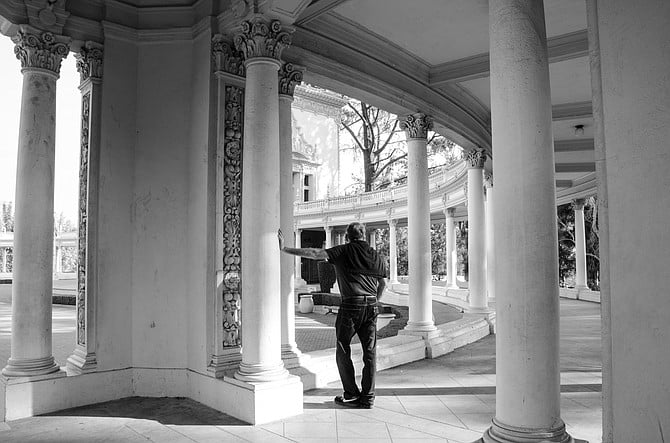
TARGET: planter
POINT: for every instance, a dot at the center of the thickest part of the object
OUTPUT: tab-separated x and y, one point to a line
306	304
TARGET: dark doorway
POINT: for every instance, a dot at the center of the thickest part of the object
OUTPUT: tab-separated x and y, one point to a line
308	269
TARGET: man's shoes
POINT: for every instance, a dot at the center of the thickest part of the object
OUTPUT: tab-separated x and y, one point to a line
348	402
353	402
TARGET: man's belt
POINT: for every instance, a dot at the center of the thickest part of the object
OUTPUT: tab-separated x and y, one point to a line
359	300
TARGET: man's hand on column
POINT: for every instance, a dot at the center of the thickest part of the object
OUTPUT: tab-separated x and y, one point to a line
280	237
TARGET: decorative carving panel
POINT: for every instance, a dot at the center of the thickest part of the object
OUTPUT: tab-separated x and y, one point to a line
232	216
89	62
289	76
41	50
417	125
225	57
83	218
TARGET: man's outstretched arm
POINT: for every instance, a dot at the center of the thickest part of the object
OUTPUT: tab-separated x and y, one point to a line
381	285
311	253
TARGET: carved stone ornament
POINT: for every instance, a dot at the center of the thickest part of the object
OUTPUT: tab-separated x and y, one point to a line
83	219
578	204
232	216
42	50
488	179
417	125
289	76
450	212
259	37
89	62
475	158
225	57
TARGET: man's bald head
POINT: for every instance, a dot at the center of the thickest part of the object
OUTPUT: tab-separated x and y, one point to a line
356	231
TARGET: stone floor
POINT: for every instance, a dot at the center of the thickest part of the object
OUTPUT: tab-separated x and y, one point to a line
448	399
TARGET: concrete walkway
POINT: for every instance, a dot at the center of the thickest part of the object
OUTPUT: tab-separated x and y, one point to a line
448	399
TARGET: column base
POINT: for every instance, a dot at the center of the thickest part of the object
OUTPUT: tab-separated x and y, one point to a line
257	403
228	361
502	433
29	367
81	362
292	356
421	326
254	373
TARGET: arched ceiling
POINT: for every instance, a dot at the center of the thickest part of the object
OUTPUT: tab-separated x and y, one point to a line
429	56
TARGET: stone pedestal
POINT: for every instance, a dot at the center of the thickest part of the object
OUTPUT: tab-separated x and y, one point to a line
527	340
41	54
416	127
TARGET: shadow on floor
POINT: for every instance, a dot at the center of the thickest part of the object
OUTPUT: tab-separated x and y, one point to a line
164	410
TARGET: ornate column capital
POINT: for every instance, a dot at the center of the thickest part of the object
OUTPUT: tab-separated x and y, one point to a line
449	212
261	37
578	203
475	157
392	222
416	125
89	62
40	50
225	57
290	75
488	179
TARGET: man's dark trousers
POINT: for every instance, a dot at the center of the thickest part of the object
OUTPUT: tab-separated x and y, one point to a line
360	319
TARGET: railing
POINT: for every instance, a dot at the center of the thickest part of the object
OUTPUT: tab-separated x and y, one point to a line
437	180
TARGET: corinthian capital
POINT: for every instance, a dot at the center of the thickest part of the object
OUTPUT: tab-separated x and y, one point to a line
89	62
578	203
417	125
40	50
260	37
488	179
475	157
225	57
289	76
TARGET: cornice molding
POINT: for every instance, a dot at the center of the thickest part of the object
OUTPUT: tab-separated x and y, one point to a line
317	9
561	47
570	111
575	167
120	32
582	144
322	96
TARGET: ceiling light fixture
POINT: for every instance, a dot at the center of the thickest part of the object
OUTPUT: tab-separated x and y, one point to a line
579	130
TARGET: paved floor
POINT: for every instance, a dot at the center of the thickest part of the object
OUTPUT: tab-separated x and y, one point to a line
448	399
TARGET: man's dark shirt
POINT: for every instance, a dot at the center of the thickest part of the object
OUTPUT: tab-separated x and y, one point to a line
358	268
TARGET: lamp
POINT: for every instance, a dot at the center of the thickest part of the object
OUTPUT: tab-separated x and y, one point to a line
579	130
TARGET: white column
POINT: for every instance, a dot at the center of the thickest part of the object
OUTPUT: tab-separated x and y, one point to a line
261	300
476	232
298	261
393	251
329	236
41	54
452	254
527	339
490	245
59	259
373	238
288	78
580	245
416	127
297	186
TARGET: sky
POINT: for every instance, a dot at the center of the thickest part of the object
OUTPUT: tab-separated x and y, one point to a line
67	130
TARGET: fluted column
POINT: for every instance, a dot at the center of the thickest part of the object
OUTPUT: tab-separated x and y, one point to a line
261	42
289	77
476	231
490	245
393	250
527	339
416	127
89	65
40	54
452	254
580	245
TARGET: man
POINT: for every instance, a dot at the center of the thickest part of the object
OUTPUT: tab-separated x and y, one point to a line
361	276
